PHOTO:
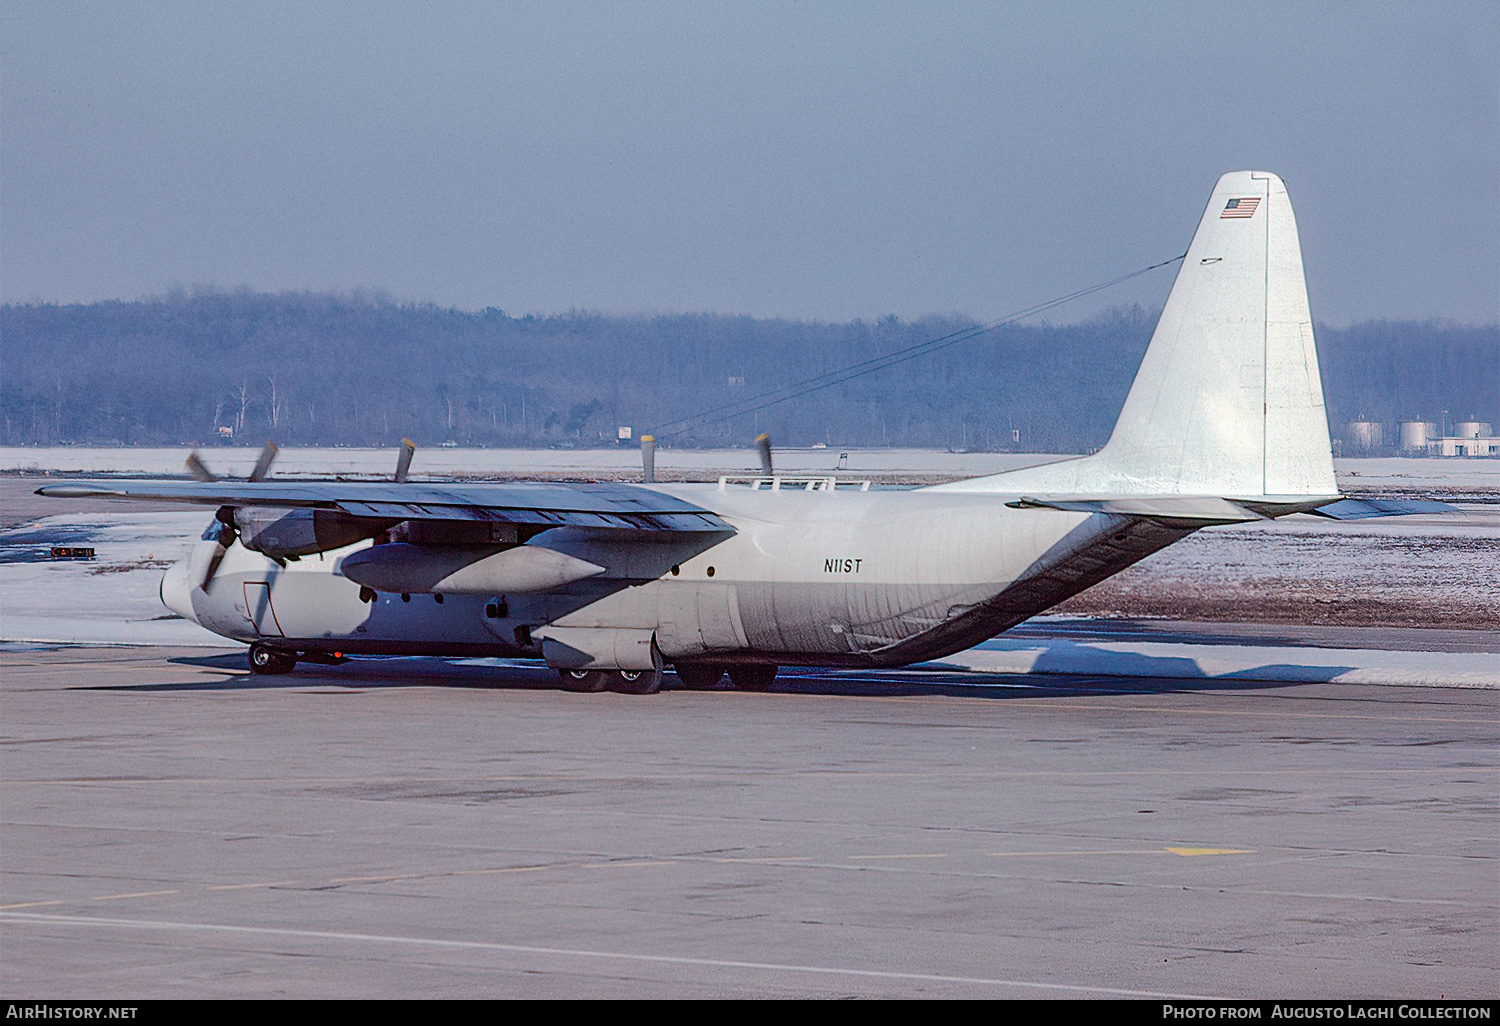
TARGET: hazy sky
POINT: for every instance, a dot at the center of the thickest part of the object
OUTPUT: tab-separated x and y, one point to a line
808	160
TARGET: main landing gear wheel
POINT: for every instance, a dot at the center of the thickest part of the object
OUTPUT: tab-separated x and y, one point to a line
265	659
638	682
752	677
584	681
699	676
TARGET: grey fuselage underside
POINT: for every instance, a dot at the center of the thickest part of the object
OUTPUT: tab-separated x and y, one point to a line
830	578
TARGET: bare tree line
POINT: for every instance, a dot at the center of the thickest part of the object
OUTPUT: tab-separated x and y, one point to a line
317	369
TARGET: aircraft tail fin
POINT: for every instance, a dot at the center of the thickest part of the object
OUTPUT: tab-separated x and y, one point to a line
1228	400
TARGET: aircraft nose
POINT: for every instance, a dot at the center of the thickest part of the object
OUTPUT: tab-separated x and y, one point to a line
177	588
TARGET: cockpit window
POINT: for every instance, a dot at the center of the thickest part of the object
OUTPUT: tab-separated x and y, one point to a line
211	532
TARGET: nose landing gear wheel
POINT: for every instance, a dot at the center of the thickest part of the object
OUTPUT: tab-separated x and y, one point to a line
585	681
265	659
753	677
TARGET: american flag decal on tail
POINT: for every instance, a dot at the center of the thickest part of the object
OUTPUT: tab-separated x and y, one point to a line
1244	207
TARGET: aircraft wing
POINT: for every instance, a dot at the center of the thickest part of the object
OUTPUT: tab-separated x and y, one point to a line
619	506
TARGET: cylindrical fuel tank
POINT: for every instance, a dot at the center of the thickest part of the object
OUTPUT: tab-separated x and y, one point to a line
520	570
1415	434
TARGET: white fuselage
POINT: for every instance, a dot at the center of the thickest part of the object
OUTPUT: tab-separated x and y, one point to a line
828	577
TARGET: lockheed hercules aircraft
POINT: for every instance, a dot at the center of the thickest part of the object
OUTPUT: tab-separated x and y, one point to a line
608	583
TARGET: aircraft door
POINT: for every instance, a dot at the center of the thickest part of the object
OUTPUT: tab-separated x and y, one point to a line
258	609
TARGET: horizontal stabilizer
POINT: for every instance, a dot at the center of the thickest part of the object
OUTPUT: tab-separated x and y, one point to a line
1365	509
1208	508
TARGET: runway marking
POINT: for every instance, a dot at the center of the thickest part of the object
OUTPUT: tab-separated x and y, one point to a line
136	894
1210	851
241	887
383	878
932	855
625	956
28	904
1102	851
823	774
624	864
767	860
508	869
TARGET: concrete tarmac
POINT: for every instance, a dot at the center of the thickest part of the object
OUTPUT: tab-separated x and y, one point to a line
173	827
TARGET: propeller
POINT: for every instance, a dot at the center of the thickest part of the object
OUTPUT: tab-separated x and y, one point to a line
260	472
198	469
227	535
648	459
262	468
225	515
763	444
403	462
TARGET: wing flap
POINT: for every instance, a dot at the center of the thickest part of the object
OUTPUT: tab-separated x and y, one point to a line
628	520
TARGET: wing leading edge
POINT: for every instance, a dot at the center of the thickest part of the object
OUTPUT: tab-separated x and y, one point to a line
610	506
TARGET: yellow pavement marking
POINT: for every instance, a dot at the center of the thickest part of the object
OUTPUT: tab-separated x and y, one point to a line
384	878
136	894
241	887
28	904
1210	851
930	855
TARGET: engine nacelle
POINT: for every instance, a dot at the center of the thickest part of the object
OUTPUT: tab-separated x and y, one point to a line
300	532
520	570
598	648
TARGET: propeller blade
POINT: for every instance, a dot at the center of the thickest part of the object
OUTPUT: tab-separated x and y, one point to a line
403	462
198	468
227	535
263	465
763	443
648	459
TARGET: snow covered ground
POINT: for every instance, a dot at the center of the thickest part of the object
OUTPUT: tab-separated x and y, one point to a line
1423	571
110	600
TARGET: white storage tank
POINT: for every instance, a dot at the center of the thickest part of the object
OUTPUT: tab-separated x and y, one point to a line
1366	435
1416	435
1472	429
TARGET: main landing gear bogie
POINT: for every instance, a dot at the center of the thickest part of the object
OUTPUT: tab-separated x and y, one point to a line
694	676
699	676
630	682
748	677
267	660
752	676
